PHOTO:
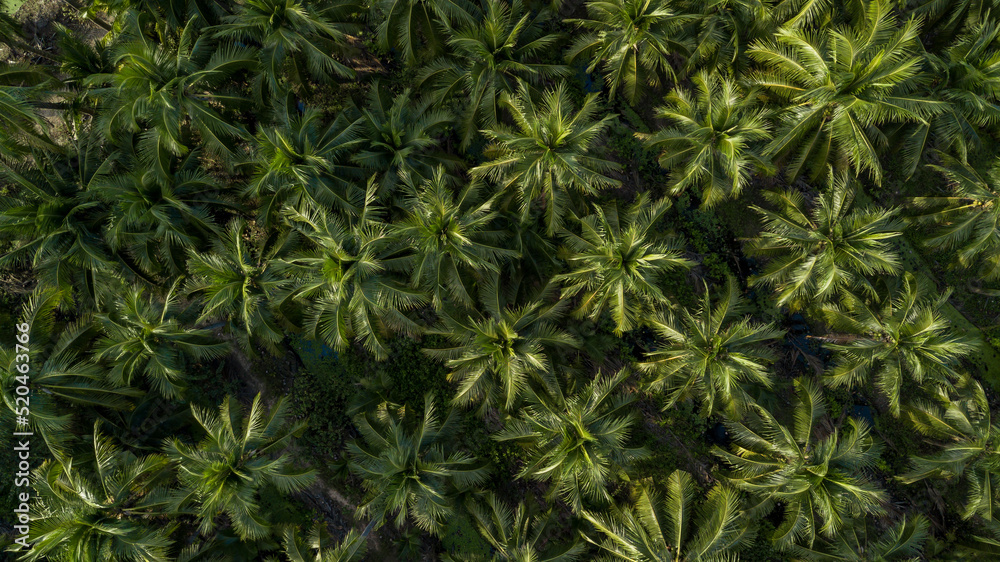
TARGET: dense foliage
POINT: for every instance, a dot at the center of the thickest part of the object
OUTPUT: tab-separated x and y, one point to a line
502	280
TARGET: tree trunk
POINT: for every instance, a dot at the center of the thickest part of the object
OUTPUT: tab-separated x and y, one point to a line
838	338
28	47
97	20
60	106
974	287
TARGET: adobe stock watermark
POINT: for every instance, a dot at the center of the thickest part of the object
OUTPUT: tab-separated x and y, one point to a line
22	437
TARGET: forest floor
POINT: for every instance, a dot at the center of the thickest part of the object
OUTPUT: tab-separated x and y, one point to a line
40	19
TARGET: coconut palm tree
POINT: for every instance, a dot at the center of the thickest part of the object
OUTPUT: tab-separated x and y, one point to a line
819	252
547	153
806	14
499	353
236	284
417	27
399	137
859	542
577	444
300	159
840	86
949	18
487	59
712	355
142	337
968	220
165	16
818	480
633	41
452	237
712	143
406	467
968	78
294	39
724	30
109	507
224	472
515	535
59	374
79	59
173	91
318	546
52	224
341	276
899	335
616	261
959	420
163	207
673	527
539	252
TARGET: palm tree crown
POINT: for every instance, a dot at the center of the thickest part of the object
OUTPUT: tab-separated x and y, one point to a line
174	90
451	238
968	220
818	253
142	337
500	352
405	467
225	471
843	83
399	137
287	31
633	41
342	279
317	546
300	159
970	451
670	527
111	512
516	535
579	442
489	58
52	223
164	206
968	79
616	262
712	354
59	374
900	334
236	283
819	480
711	143
415	26
860	542
547	153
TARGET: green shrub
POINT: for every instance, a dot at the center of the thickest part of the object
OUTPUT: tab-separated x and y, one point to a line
321	392
461	538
